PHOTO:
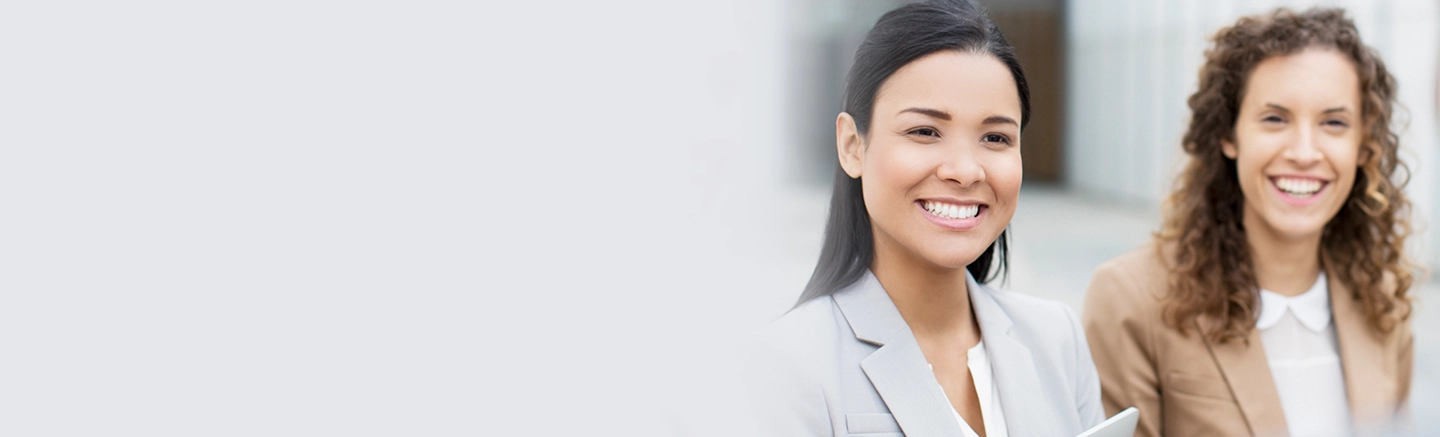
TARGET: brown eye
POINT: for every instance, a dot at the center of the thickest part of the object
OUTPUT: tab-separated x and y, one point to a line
926	132
995	138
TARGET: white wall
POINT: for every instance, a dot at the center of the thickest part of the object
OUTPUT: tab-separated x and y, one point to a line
385	218
1133	63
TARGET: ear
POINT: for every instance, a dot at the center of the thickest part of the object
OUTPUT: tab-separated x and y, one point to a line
849	145
1228	148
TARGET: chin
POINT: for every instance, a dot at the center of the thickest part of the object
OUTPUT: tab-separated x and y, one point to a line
956	260
1299	231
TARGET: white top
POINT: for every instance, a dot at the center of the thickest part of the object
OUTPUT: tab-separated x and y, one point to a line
1298	334
989	394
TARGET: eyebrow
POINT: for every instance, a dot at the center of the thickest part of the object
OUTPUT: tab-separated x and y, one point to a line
1278	107
935	113
1327	111
999	119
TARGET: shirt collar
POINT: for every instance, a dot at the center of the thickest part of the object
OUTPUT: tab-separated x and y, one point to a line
1311	308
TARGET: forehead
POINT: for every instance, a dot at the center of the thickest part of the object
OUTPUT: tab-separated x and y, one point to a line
952	81
1319	76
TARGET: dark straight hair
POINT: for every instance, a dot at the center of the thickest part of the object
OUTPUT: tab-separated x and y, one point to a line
899	38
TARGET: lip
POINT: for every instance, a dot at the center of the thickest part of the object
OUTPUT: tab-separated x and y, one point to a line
1297	201
953	224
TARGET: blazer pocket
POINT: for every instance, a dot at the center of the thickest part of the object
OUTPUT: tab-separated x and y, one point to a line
871	423
1209	388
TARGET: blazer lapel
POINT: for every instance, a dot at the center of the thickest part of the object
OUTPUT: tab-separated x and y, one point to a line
1012	366
1361	358
897	369
1247	372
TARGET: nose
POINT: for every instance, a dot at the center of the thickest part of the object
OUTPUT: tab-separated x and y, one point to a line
961	165
1304	151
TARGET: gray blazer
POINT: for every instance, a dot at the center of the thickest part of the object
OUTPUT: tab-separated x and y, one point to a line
849	365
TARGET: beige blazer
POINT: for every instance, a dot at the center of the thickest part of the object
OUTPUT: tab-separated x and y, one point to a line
1186	385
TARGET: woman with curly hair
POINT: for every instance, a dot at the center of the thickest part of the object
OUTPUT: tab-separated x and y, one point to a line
1274	299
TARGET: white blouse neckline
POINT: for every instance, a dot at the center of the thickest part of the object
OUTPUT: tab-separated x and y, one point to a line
1311	308
989	395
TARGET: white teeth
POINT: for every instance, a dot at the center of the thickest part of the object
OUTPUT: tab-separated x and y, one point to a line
952	211
1300	187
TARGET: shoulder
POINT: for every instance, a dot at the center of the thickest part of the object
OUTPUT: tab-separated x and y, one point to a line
806	321
1037	319
1125	302
1144	264
796	338
1137	280
1026	308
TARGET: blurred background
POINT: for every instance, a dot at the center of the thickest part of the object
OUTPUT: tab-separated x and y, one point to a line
437	217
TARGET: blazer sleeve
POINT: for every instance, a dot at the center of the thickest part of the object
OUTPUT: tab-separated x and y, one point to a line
785	396
1119	320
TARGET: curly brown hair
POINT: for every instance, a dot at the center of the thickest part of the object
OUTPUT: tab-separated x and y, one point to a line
1212	274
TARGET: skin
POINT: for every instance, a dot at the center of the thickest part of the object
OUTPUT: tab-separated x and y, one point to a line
1300	117
945	127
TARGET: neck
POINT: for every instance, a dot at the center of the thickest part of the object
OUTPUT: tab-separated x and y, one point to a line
934	301
1288	266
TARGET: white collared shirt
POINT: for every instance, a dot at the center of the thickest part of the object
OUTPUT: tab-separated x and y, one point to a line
988	393
1298	334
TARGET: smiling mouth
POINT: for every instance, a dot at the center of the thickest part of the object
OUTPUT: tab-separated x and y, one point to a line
950	211
1298	187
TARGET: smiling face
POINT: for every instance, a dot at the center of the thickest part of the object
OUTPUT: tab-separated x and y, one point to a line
1297	142
941	163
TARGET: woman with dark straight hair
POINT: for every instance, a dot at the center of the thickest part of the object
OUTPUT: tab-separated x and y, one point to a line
896	331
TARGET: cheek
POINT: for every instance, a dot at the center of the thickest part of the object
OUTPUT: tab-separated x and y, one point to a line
1004	175
891	167
1344	158
1254	151
1345	181
1250	170
1247	172
883	184
1347	161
